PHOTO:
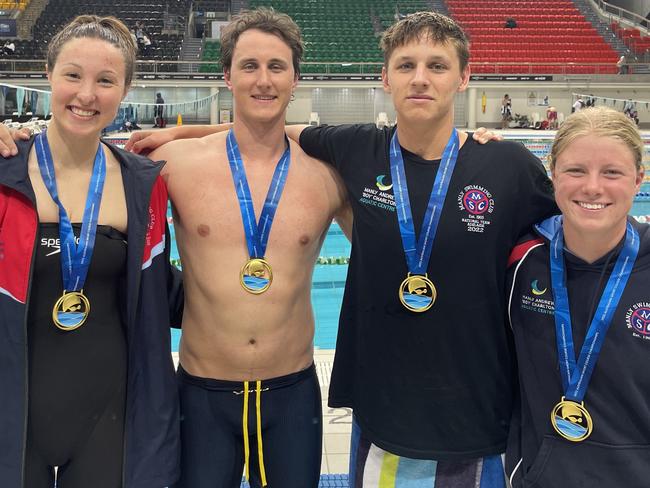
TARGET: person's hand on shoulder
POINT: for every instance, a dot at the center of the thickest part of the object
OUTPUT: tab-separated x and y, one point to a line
483	135
9	136
145	141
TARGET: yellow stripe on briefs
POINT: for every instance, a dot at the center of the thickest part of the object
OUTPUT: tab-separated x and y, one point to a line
258	408
388	474
245	433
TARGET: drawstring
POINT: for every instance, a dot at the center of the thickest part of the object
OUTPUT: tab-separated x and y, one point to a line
260	453
245	424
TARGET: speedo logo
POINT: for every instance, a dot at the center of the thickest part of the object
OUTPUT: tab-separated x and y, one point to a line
54	244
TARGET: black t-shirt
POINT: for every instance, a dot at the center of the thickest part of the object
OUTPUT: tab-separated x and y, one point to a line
617	453
439	384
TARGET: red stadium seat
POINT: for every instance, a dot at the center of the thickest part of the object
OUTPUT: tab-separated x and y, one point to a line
574	39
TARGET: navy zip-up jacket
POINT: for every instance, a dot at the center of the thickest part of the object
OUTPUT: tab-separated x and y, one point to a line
617	453
153	301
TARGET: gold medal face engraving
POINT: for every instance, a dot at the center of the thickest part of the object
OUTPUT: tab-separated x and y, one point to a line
256	276
417	293
571	420
71	310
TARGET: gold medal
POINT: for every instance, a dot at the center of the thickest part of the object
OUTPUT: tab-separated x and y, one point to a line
571	420
417	293
256	276
71	310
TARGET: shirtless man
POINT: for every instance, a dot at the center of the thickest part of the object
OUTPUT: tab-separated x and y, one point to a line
243	352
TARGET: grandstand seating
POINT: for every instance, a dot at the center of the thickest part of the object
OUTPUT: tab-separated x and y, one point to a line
341	31
553	33
11	5
151	13
211	53
638	44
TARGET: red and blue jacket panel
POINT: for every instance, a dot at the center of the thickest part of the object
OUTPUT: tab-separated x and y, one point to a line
153	301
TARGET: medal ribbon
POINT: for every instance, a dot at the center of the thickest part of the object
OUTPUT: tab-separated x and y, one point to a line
75	259
417	258
257	233
576	377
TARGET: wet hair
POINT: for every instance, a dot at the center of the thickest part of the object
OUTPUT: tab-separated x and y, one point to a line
432	26
599	121
266	20
107	29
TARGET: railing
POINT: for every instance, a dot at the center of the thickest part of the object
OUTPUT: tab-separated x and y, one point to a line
315	68
535	68
631	20
621	13
173	24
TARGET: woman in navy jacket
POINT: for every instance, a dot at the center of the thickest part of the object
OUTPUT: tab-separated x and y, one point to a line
87	294
579	307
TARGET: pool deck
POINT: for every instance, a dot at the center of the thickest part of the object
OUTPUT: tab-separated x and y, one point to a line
337	422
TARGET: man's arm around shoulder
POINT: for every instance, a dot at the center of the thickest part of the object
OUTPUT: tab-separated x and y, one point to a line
175	153
145	141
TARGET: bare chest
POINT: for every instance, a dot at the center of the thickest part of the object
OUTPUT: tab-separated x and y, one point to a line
207	209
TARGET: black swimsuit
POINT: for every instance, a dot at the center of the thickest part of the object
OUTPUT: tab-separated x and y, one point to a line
77	379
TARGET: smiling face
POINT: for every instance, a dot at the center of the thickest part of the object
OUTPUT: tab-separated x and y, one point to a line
261	77
88	84
423	77
595	179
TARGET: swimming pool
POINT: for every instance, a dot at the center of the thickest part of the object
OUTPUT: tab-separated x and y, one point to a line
329	279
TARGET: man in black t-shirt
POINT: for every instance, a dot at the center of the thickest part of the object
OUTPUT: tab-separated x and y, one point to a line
431	392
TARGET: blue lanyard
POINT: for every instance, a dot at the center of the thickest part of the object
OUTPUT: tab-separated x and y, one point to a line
576	377
257	233
75	259
417	259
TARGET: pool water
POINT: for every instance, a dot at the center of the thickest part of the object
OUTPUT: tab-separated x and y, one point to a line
329	279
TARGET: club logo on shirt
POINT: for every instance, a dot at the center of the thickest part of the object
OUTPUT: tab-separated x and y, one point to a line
535	301
380	183
638	320
534	287
476	201
378	195
478	204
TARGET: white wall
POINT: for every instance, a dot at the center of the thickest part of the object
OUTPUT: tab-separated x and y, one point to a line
341	105
300	108
337	105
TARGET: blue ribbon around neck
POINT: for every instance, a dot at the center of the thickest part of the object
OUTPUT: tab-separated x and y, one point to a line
417	258
75	259
576	377
257	233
